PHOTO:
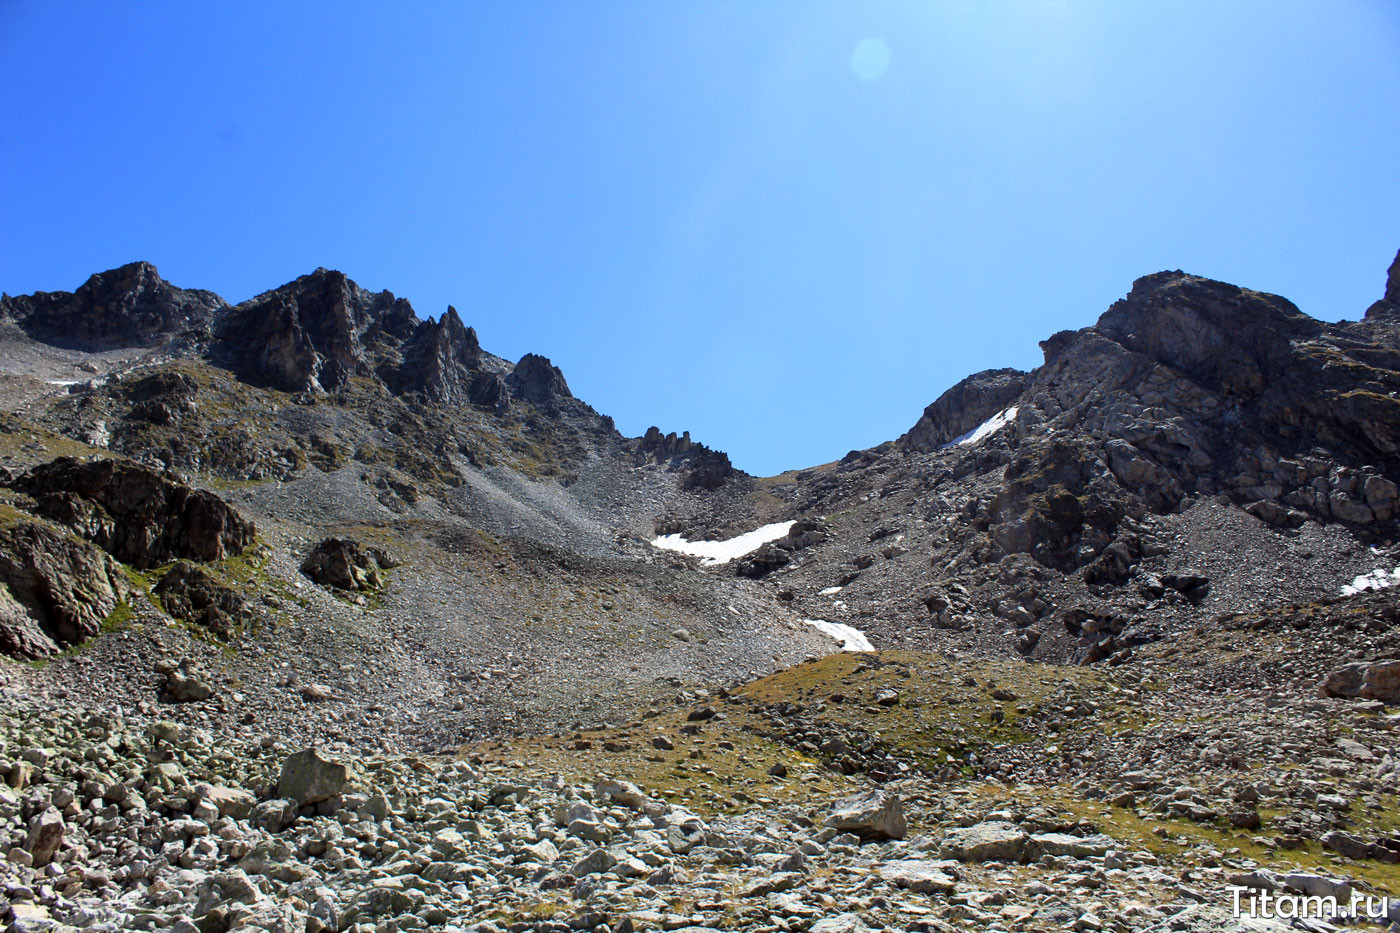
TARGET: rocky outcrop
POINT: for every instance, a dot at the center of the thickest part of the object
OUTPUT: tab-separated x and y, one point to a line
1389	305
342	564
163	398
703	467
135	514
441	360
55	591
777	554
311	334
536	379
131	306
193	594
965	406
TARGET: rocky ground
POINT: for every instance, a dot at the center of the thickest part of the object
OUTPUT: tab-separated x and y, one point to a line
885	791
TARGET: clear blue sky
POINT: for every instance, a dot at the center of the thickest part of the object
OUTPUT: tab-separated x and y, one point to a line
784	226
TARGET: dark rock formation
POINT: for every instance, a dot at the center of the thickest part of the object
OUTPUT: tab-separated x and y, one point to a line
310	334
135	514
537	380
55	591
965	406
193	594
1389	305
777	554
441	360
162	398
341	563
131	306
704	467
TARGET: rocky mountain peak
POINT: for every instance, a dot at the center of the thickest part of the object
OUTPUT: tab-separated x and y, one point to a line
130	306
313	333
536	379
1388	308
1217	333
441	360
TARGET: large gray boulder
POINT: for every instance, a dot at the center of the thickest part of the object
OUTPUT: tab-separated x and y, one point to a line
309	776
872	815
1379	680
46	831
993	841
922	876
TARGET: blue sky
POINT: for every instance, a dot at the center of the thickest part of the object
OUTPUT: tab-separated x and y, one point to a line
785	227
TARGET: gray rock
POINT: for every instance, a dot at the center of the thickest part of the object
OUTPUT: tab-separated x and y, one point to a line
594	863
45	836
308	776
985	842
871	815
919	875
1063	844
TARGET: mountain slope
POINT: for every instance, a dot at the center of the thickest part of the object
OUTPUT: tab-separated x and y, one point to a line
1202	449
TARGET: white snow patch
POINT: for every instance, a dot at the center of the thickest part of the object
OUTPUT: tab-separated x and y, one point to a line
722	552
851	639
987	428
831	591
64	382
1375	580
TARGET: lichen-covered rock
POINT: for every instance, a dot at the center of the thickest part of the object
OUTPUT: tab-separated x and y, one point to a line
193	594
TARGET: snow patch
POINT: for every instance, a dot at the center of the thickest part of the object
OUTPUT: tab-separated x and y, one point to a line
831	591
722	552
987	428
64	382
851	639
1375	580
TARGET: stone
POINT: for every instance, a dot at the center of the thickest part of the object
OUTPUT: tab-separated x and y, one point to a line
1063	844
342	564
46	831
310	776
871	815
840	923
920	875
232	802
594	863
184	686
1378	680
985	842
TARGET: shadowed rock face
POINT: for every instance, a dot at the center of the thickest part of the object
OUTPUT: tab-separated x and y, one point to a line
441	359
311	334
135	514
536	379
131	306
965	406
54	591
